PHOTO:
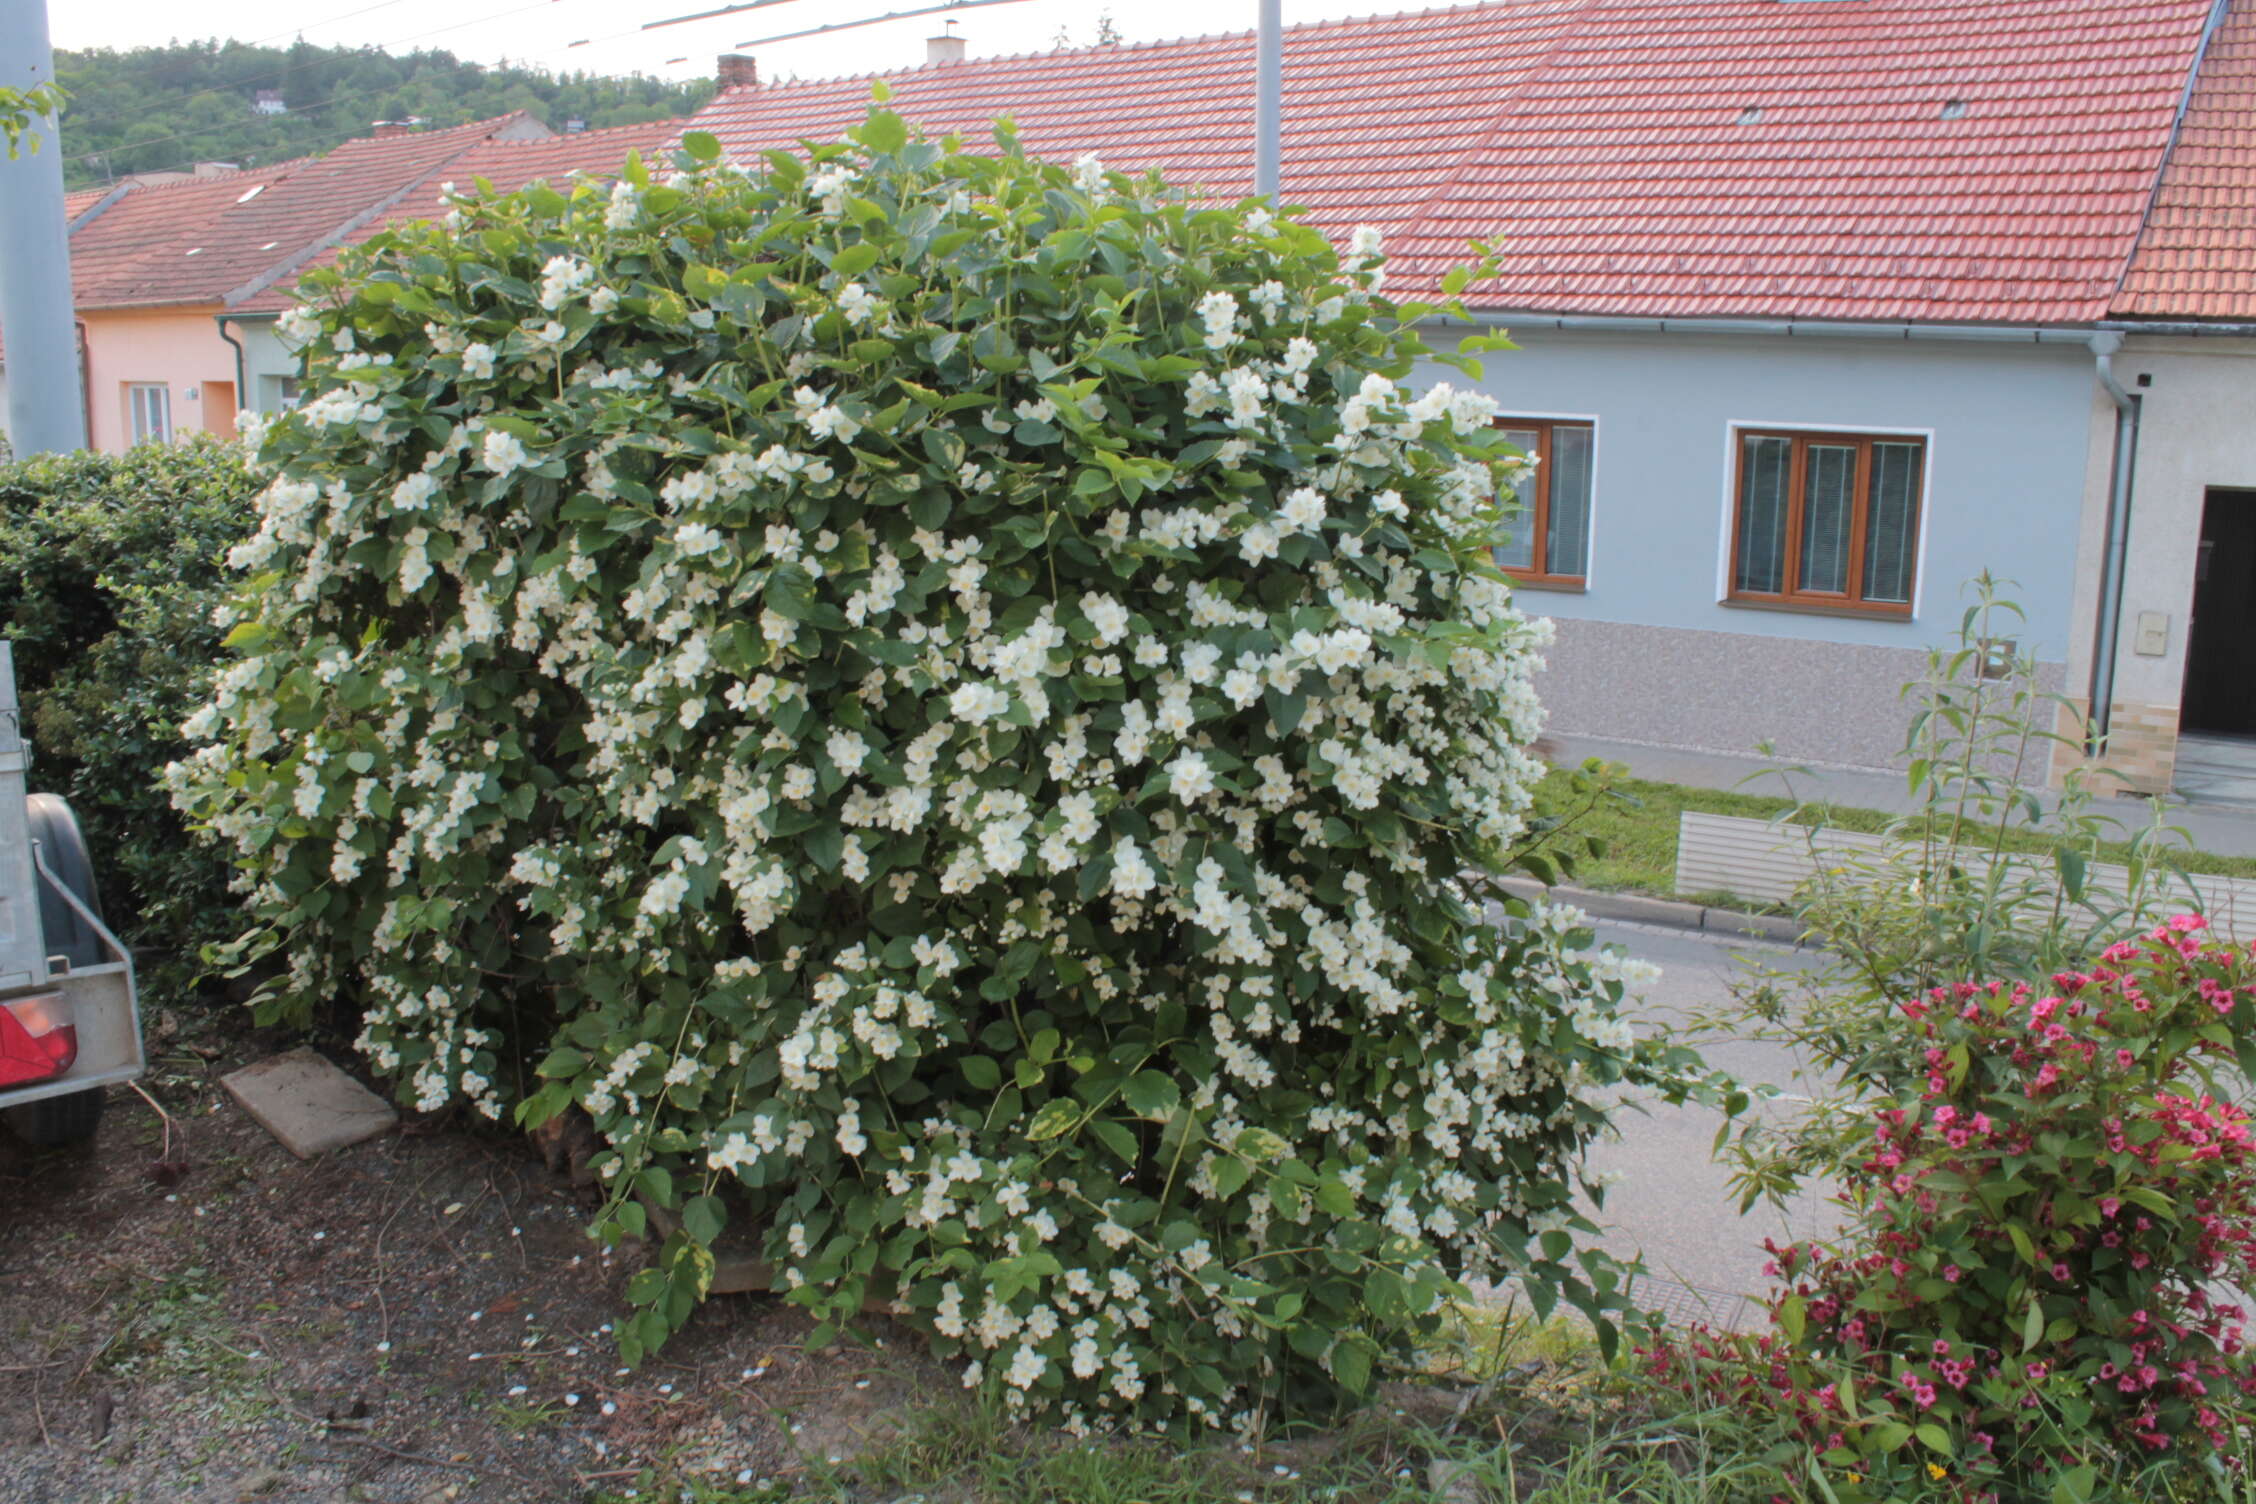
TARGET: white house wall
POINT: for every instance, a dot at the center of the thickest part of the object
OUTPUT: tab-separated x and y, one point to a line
2197	431
1650	653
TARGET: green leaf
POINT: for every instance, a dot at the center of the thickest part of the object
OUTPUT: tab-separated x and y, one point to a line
1351	1365
982	1073
1229	1175
883	131
2033	1325
1117	1138
1934	1437
702	146
1152	1095
703	1217
791	593
856	259
1056	1117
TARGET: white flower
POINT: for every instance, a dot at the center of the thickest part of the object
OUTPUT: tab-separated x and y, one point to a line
478	361
1304	509
857	302
1188	777
625	207
978	702
1218	310
1088	173
694	538
503	453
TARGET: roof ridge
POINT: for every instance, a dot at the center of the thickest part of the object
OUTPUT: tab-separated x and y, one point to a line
600	130
2217	16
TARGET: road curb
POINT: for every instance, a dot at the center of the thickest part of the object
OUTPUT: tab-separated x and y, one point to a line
1640	908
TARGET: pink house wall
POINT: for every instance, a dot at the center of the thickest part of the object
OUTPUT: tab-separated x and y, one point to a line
176	348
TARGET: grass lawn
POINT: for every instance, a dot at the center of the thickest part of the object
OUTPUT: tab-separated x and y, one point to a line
1641	837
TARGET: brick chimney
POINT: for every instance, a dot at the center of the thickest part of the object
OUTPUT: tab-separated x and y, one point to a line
944	48
385	130
737	71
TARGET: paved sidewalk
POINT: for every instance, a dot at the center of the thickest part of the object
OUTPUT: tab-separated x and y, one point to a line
2212	828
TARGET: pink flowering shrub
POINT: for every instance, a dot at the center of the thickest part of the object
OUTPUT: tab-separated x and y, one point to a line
2029	1292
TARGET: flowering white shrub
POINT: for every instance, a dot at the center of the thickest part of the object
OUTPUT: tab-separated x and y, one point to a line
957	708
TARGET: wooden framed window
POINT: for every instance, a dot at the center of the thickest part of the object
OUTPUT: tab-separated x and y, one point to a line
1550	543
1828	521
149	405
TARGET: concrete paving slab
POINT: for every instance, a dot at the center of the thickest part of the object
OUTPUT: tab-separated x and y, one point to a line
309	1105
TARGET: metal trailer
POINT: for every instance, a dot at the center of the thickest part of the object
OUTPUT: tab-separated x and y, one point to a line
70	1021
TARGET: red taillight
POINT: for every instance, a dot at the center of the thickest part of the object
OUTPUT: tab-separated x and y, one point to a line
38	1040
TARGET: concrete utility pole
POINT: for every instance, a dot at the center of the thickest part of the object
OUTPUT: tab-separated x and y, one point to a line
1268	99
45	410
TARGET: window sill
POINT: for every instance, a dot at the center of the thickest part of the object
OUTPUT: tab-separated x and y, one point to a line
1561	584
1817	608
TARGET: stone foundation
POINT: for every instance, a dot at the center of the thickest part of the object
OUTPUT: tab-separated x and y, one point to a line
2141	752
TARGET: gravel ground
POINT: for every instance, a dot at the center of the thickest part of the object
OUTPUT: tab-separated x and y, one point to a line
191	1316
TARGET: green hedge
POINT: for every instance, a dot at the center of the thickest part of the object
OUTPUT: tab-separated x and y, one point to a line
110	569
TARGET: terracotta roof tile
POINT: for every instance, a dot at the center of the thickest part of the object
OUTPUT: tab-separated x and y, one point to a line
205	239
1611	144
1378	111
508	166
2197	258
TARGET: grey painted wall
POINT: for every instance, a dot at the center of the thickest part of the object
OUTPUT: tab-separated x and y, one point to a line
266	364
2008	428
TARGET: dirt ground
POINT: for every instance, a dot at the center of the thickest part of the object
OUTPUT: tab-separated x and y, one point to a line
416	1320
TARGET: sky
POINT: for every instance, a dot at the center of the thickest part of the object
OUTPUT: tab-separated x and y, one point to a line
541	32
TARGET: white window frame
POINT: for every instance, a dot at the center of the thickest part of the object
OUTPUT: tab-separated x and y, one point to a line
1728	515
145	400
1503	419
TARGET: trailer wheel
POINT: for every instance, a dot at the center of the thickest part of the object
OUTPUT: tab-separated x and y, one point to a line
67	1119
63	849
52	1122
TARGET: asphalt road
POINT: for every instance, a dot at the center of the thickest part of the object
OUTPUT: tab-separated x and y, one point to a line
1672	1203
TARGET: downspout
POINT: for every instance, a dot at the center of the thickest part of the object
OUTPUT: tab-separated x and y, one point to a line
85	380
242	387
2115	547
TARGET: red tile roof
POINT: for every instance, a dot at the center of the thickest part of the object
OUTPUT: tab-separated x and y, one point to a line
1379	112
508	166
2197	258
217	239
1671	158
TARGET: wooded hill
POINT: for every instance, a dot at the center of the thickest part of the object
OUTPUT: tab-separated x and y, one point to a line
154	108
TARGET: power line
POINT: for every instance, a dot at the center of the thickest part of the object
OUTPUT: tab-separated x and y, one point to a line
707	15
898	15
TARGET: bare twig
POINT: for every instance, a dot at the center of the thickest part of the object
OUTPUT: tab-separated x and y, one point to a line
158	1108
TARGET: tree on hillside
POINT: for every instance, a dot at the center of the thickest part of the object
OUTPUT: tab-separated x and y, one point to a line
154	108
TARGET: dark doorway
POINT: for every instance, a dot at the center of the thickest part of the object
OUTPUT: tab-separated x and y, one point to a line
2220	681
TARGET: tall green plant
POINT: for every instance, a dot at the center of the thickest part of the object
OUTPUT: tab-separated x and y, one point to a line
1950	892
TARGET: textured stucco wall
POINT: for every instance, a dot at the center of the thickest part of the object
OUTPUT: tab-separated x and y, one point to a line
1839	704
178	347
2197	430
266	360
2009	427
1651	652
